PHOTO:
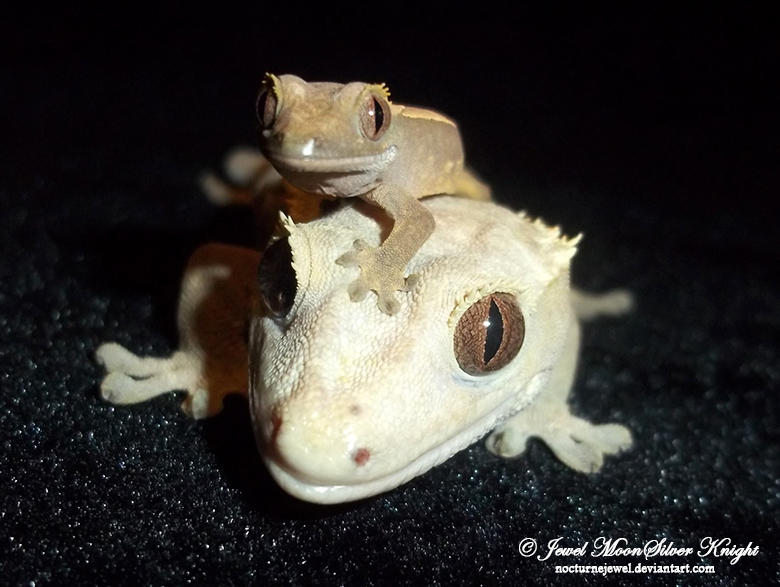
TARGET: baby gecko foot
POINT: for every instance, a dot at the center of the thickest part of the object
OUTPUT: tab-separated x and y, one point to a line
377	275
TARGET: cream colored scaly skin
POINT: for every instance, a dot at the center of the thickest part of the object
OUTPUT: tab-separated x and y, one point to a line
348	140
346	402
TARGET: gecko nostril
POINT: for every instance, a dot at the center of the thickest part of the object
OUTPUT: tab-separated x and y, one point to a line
361	456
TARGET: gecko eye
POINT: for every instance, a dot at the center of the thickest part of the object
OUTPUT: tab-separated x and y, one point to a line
374	117
266	105
276	279
489	334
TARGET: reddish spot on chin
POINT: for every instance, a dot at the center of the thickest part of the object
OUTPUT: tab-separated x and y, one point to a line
362	455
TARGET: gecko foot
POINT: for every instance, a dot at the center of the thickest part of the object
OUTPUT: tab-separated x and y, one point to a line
131	379
583	445
578	443
377	274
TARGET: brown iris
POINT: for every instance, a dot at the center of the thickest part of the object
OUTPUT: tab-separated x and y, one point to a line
489	334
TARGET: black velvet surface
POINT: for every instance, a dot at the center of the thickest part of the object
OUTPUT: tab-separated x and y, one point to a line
650	133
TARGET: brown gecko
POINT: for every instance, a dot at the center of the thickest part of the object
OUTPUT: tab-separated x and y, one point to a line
349	140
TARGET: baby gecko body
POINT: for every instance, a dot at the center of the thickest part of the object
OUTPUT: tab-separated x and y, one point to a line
349	140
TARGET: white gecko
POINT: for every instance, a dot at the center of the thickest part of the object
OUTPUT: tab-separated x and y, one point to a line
346	401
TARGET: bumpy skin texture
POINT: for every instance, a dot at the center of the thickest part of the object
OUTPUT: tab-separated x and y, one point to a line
347	401
348	140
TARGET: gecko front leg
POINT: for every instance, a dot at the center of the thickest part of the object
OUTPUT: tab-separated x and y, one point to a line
576	442
211	362
382	268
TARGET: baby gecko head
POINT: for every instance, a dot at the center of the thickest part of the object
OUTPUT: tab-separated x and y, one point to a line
347	401
326	137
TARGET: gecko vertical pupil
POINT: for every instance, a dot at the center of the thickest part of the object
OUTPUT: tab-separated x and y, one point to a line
276	279
494	332
374	117
378	115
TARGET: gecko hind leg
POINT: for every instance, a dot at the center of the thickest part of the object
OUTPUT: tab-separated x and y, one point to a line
249	173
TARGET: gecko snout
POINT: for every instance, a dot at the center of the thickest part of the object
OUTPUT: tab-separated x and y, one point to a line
314	450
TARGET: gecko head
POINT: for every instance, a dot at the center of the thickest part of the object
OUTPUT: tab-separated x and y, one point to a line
323	137
348	402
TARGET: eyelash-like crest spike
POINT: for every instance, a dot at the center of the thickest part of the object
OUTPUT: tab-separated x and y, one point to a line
381	89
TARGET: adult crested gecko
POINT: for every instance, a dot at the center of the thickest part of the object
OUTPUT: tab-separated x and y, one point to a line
349	140
347	403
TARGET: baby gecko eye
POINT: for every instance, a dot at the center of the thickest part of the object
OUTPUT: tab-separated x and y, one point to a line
266	105
374	117
276	279
489	334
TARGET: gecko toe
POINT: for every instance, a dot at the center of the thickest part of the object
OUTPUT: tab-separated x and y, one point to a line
388	304
348	259
114	388
357	290
410	282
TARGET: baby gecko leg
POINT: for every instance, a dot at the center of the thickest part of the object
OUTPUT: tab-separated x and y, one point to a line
382	268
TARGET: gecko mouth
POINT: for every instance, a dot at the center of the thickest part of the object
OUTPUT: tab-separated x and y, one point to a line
330	165
330	494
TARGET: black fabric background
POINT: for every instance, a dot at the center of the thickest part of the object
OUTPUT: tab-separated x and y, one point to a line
652	133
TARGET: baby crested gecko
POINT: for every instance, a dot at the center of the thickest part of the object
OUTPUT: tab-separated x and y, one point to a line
349	140
347	403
